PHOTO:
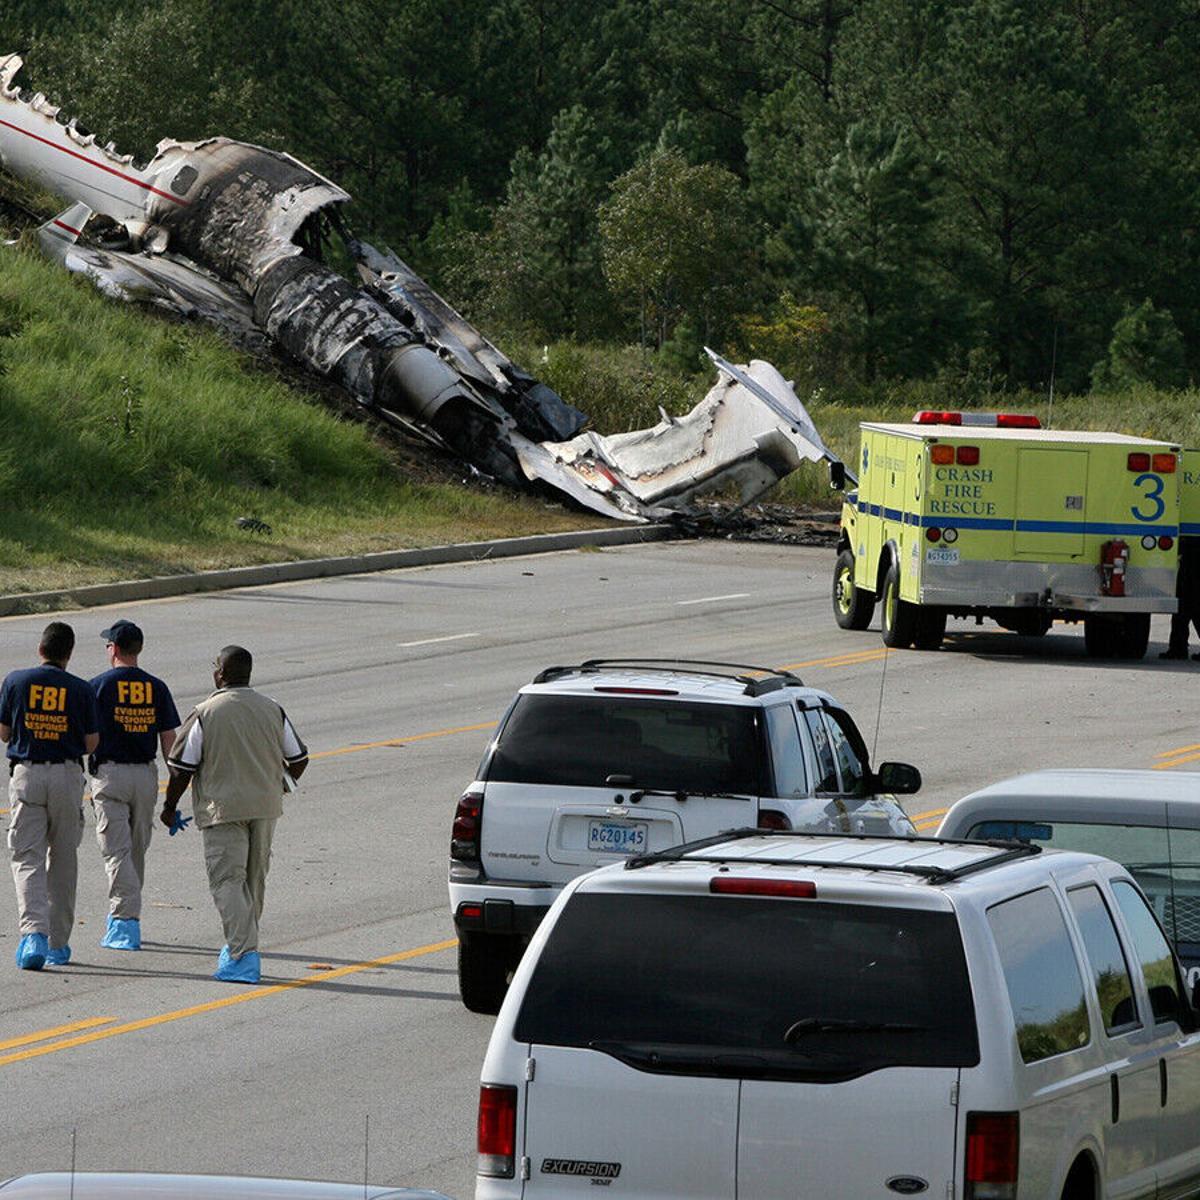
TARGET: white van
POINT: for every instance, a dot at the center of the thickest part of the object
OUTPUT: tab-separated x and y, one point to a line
763	1015
1147	820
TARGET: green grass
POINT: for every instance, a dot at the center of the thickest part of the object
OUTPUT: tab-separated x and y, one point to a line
129	446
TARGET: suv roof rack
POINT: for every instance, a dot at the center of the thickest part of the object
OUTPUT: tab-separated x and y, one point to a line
1006	851
772	679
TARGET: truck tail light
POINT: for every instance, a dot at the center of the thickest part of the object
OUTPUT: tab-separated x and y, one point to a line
732	885
933	534
1164	464
993	1143
497	1137
941	455
468	820
1166	542
1138	461
928	417
1017	421
772	818
966	456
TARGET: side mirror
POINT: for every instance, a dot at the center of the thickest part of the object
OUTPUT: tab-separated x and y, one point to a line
837	475
898	778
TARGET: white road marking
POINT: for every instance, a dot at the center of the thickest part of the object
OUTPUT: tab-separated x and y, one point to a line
454	637
712	599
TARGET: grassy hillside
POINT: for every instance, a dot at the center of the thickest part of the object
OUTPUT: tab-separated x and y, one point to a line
129	445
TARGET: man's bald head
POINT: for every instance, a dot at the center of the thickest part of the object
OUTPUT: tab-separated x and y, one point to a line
234	664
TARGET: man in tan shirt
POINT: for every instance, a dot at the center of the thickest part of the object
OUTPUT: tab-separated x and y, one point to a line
234	750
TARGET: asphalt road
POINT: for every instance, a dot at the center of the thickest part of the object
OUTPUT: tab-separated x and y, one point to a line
394	681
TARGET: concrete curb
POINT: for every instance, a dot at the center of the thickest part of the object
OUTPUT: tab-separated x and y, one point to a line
317	568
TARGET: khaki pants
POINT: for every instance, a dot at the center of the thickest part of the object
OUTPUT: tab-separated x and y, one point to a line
237	855
44	838
124	796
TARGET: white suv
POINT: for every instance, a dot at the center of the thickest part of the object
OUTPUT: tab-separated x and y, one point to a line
774	1014
596	762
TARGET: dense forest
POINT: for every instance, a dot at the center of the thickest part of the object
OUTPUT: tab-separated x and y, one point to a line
986	193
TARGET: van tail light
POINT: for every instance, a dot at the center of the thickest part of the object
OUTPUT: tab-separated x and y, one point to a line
497	1139
1164	464
966	456
772	818
468	820
1137	461
993	1145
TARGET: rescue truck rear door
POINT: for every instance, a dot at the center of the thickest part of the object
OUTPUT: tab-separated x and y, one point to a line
1051	503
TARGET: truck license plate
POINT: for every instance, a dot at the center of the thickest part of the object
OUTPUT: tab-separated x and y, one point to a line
942	558
616	837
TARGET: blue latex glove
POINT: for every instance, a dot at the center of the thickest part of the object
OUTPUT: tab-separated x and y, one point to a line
179	824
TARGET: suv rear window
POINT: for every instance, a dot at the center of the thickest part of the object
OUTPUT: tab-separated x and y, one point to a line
578	741
712	985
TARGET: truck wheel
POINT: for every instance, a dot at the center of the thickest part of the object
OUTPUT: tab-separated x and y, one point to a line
484	963
1100	636
852	607
931	628
898	620
1132	636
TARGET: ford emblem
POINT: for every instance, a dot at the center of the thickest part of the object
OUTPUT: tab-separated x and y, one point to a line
907	1185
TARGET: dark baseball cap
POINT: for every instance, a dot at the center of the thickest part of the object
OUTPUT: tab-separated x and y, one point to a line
123	634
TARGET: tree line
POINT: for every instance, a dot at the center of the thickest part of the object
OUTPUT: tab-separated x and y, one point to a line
990	192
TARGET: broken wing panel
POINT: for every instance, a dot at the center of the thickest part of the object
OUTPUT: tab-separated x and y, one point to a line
749	431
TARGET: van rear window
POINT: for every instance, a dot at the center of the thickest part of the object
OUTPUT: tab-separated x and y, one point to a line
578	741
754	987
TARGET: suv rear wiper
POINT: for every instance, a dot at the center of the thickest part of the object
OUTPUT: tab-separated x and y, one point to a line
666	1054
682	794
808	1025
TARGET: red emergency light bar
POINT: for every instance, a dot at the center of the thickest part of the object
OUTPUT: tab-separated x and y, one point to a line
999	420
733	885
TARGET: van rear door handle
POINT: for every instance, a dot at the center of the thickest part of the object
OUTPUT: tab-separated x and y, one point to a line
1162	1082
1115	1084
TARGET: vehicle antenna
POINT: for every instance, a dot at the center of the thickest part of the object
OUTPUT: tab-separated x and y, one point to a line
1053	364
366	1153
879	712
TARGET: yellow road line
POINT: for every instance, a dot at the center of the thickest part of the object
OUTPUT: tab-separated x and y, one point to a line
46	1034
400	741
1175	762
225	1002
1180	750
932	815
837	660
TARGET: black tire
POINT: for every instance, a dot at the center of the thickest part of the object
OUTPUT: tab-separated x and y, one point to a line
1099	636
1132	636
852	607
898	618
484	964
931	628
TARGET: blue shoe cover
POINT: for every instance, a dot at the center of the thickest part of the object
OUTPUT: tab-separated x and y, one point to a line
59	957
238	970
123	933
32	950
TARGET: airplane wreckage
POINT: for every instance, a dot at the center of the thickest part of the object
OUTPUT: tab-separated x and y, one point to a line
233	234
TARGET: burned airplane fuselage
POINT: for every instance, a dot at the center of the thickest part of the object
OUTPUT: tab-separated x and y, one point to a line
235	233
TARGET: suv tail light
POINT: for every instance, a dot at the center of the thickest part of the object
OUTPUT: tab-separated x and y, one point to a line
497	1138
468	820
772	818
732	885
993	1142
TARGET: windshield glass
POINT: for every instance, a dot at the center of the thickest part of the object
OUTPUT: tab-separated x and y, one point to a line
753	986
578	741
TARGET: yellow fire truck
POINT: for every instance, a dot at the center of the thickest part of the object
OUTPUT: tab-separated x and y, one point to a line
978	515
